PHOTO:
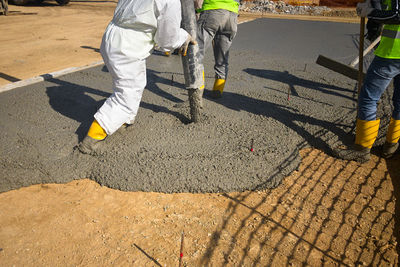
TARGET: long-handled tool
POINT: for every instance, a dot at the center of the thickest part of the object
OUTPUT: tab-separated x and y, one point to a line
366	51
361	55
350	70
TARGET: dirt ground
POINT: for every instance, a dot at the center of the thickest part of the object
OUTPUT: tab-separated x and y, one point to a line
328	213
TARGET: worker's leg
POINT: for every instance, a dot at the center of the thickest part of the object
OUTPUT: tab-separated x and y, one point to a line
379	75
124	52
207	26
206	29
393	132
396	97
121	107
222	43
129	80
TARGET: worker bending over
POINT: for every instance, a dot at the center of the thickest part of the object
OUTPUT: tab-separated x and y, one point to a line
217	24
384	67
129	39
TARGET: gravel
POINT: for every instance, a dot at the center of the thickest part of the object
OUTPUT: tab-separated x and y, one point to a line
280	7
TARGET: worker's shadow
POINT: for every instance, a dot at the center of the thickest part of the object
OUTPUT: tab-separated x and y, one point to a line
153	79
292	81
288	117
72	100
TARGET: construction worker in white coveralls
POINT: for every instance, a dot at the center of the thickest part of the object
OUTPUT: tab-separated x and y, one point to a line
384	68
217	23
128	40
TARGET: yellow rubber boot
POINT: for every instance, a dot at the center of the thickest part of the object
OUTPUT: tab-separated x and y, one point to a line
96	132
393	133
95	135
366	133
392	138
218	88
204	82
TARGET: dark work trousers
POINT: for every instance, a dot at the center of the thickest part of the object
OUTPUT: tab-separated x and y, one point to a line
218	26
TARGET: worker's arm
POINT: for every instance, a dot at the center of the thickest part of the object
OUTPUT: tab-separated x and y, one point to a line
374	28
376	4
384	15
198	4
169	34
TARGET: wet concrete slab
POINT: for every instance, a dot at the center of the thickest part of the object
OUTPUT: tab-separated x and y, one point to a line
276	99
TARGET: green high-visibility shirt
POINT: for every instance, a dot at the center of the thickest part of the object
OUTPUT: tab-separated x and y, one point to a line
230	5
389	47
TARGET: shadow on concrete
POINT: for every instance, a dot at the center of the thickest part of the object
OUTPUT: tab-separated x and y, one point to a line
154	78
292	81
72	101
285	115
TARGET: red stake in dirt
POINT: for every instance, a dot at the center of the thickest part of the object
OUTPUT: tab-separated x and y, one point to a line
252	143
181	252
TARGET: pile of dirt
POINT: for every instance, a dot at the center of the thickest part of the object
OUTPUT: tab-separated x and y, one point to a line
281	7
339	3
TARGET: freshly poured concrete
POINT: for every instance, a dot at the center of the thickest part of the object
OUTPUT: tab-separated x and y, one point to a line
276	97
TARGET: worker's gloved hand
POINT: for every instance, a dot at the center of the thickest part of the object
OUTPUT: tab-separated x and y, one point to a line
198	4
184	47
364	9
374	30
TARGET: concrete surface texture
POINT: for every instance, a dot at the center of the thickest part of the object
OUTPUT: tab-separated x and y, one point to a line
276	97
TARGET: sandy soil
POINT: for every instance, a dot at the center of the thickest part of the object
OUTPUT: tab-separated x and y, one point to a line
328	213
44	39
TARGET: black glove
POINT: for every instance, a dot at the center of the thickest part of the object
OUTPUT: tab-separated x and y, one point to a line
376	4
374	30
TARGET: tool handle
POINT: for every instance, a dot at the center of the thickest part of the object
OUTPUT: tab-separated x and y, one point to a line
366	51
361	55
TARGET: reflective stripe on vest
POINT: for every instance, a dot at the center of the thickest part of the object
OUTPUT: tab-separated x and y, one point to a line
230	5
390	34
389	47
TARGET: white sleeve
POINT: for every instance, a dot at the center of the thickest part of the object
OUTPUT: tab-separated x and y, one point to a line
169	34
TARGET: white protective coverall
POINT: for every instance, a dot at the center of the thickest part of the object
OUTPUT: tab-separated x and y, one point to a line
129	39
